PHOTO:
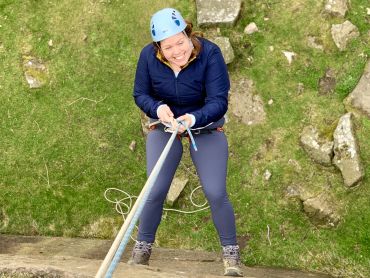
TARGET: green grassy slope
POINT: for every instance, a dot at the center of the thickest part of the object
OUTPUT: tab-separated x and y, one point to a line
62	145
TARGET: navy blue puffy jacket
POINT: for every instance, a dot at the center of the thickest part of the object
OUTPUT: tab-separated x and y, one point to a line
201	88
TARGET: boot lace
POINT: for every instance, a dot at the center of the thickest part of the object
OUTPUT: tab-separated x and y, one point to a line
231	252
143	247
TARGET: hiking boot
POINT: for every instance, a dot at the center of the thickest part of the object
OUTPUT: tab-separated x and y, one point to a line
141	253
231	259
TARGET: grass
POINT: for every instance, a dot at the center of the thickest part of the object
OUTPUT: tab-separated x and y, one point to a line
64	144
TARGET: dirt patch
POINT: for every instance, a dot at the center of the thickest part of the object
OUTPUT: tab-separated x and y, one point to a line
245	104
104	227
10	244
99	252
243	240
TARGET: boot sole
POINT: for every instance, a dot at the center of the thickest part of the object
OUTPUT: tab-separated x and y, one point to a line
233	272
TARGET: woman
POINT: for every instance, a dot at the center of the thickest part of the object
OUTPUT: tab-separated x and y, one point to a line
183	78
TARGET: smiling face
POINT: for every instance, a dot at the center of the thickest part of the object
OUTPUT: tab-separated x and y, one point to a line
177	50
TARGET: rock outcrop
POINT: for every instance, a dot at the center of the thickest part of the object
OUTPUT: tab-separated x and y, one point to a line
177	186
346	155
321	211
35	71
343	33
217	12
319	149
226	48
360	96
337	8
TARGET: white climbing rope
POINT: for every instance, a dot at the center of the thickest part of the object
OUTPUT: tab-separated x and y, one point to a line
114	254
124	205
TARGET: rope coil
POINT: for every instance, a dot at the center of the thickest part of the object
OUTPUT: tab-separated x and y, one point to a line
123	206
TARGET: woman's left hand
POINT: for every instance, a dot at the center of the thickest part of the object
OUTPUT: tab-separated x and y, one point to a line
187	120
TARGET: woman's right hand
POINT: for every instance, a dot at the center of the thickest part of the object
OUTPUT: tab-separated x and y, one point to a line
165	115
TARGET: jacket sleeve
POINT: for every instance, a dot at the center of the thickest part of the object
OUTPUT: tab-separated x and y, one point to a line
217	85
143	96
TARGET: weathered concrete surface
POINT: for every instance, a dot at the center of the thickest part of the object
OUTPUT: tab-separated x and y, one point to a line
77	257
72	267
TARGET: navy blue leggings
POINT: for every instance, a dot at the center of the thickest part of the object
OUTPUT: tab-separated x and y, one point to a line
211	164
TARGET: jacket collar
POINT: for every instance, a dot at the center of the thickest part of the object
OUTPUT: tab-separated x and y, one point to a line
164	61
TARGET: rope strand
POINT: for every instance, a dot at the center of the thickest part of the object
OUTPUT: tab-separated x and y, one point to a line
119	203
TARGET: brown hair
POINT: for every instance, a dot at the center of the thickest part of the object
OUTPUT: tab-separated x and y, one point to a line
193	35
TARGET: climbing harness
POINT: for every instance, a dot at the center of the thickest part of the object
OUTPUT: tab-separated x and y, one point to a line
188	133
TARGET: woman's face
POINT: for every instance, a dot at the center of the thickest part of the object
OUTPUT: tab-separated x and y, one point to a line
177	49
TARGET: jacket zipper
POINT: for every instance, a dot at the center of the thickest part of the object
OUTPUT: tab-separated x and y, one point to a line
158	56
177	93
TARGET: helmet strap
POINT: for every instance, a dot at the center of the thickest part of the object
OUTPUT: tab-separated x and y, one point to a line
190	41
160	49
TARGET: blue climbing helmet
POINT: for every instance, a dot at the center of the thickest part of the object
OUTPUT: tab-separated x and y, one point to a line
166	23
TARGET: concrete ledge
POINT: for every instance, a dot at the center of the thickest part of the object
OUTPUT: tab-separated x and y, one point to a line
24	257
